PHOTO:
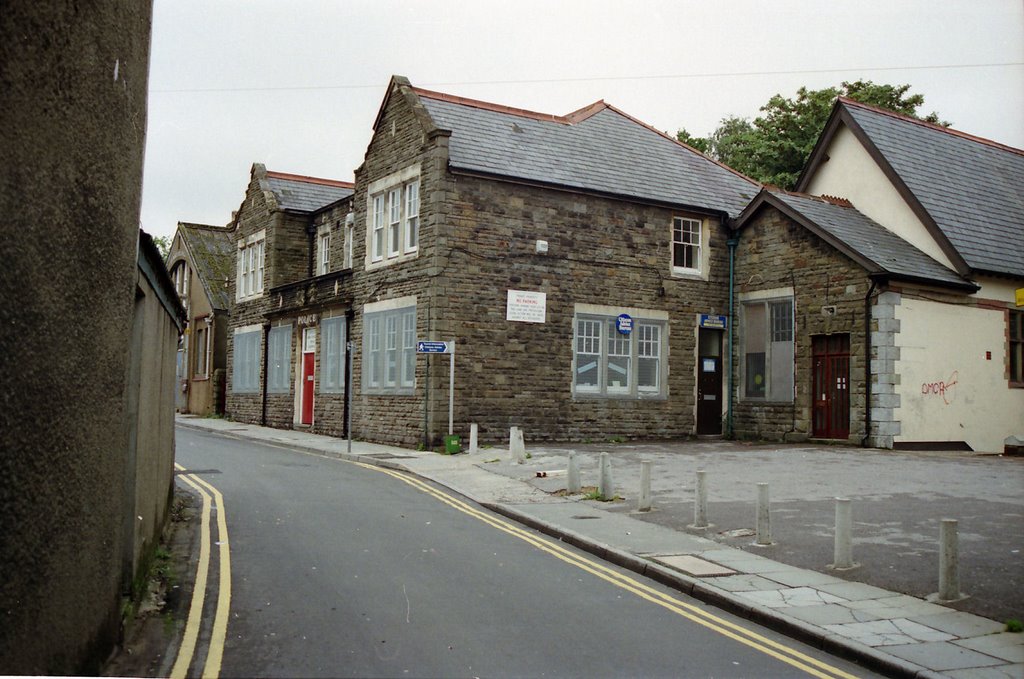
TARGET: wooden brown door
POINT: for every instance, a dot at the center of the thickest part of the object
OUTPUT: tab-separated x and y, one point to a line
831	387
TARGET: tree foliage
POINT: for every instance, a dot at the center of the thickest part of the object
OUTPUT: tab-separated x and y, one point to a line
163	244
774	146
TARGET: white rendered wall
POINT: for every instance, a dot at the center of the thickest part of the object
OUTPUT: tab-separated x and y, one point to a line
853	174
949	390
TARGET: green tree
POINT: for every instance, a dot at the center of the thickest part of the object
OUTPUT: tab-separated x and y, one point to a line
774	147
163	244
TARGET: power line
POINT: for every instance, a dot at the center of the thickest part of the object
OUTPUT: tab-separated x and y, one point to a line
679	76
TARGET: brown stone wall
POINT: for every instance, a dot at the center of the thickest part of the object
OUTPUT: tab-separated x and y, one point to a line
775	252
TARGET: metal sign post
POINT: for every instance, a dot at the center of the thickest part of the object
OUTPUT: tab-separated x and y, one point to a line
428	347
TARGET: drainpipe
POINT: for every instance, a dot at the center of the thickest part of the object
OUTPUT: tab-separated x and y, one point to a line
263	412
310	247
867	366
732	243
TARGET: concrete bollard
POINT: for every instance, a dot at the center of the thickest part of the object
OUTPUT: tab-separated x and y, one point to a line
516	445
474	438
843	554
764	516
644	502
700	502
605	487
949	561
572	484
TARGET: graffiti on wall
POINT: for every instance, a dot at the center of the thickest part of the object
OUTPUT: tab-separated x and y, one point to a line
946	390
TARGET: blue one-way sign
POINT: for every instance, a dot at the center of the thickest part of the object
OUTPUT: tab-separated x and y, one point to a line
435	347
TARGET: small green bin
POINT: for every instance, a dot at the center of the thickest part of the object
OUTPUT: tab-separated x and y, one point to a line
451	445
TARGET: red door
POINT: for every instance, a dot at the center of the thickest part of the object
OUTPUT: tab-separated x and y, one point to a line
831	386
307	387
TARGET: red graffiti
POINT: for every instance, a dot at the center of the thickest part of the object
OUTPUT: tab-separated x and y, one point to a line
943	389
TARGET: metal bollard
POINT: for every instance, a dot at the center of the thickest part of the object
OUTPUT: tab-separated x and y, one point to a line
949	561
764	518
605	487
644	502
700	502
843	553
474	440
572	485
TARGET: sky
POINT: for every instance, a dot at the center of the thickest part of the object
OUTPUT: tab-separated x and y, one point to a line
296	85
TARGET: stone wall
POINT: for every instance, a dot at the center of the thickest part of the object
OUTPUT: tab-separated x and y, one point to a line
775	252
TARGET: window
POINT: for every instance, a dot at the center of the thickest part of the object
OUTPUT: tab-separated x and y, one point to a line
250	266
609	363
279	359
394	215
1016	319
350	233
323	249
768	349
180	278
389	347
202	351
332	355
412	216
378	228
394	221
245	372
686	245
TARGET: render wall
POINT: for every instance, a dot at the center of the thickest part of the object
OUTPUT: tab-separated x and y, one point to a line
775	253
953	374
74	107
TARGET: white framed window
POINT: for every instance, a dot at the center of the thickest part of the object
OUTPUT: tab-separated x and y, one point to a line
245	365
412	216
686	245
251	256
332	355
394	221
279	359
768	368
612	364
389	350
323	250
393	209
350	235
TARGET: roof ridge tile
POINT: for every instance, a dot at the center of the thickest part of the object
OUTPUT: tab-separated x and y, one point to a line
310	180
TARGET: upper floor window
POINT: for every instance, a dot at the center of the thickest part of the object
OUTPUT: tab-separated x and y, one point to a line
350	234
323	250
1016	346
393	209
251	255
608	362
686	245
768	349
181	279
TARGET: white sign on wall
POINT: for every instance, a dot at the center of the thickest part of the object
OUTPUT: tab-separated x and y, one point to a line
526	306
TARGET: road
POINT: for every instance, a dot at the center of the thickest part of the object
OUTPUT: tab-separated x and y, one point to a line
337	569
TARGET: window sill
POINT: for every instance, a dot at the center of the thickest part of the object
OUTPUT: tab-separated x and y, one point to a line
384	391
583	396
201	378
1015	385
688	274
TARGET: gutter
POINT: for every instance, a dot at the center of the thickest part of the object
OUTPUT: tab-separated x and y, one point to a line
732	243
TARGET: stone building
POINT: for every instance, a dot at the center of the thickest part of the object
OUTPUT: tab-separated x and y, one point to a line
947	366
200	261
811	282
290	290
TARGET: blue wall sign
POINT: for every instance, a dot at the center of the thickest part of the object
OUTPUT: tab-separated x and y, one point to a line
624	324
708	321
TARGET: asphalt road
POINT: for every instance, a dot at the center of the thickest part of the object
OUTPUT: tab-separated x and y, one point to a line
343	570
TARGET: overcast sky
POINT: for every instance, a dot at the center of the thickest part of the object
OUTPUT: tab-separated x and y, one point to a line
296	85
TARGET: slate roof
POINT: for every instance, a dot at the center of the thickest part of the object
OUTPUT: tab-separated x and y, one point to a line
213	254
972	188
598	148
867	242
297	193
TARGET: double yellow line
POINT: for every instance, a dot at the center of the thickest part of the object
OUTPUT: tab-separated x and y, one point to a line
693	613
215	654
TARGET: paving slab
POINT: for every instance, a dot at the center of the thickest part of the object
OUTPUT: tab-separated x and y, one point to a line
746	582
1007	646
896	632
694	566
941	656
960	624
826	614
789	597
855	591
999	672
798	577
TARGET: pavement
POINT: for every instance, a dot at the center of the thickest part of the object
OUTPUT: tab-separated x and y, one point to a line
883	612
